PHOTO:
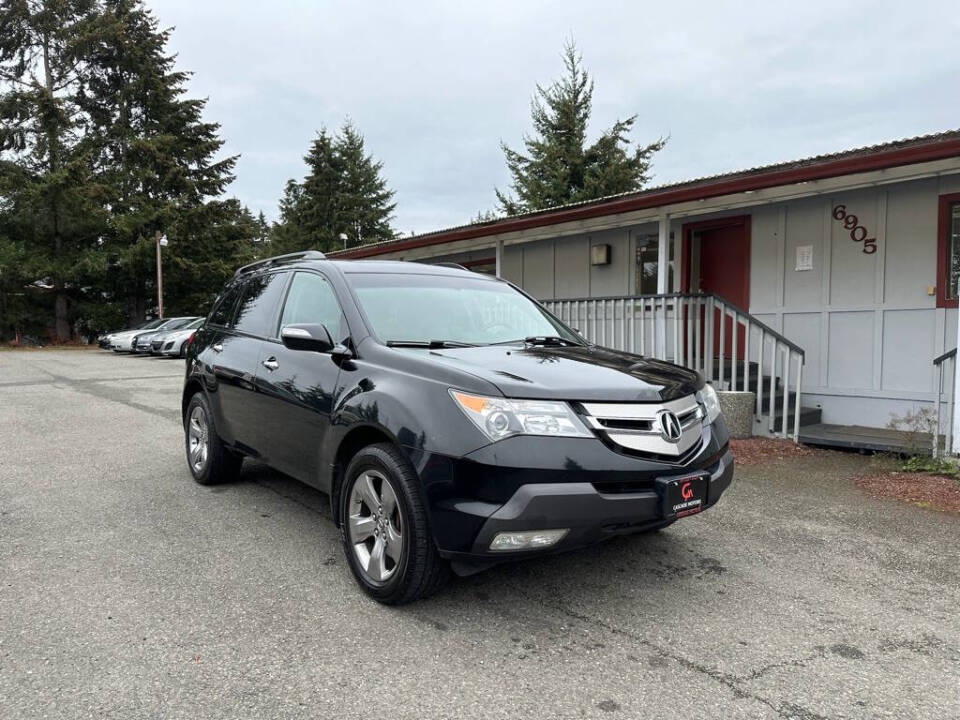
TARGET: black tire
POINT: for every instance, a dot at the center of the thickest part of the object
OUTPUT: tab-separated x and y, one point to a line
220	464
183	350
419	571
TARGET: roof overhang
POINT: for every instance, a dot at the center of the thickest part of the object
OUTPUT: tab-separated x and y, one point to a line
776	184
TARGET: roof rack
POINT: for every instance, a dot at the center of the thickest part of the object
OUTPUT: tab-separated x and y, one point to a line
456	266
302	255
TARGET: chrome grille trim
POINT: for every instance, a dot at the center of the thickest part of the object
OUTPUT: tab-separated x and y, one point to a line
602	418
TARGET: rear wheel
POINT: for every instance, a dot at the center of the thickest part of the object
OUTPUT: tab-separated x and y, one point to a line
210	461
384	528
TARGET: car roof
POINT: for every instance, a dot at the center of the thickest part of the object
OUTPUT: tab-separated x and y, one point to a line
353	267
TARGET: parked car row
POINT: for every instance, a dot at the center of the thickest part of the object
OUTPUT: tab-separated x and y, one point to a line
170	336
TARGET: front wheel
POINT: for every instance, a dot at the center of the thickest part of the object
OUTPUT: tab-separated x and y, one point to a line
210	461
384	528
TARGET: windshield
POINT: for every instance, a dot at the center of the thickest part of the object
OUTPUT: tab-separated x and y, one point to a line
195	324
456	309
175	323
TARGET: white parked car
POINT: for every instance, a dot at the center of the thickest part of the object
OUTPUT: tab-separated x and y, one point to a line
121	339
123	342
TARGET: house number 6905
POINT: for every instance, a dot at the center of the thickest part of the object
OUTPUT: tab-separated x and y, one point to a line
858	233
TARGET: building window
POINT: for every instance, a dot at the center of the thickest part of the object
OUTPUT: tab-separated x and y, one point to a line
953	245
948	255
647	263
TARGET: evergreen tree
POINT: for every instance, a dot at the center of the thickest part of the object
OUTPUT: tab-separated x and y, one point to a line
157	161
45	176
343	193
558	166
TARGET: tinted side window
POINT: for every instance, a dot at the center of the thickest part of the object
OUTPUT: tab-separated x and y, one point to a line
223	313
311	300
257	312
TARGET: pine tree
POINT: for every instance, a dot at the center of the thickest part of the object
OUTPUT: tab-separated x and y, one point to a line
343	193
558	166
45	175
157	159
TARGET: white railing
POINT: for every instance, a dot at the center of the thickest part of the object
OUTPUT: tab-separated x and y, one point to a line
690	330
946	366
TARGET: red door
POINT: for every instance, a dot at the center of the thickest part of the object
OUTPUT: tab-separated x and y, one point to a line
724	269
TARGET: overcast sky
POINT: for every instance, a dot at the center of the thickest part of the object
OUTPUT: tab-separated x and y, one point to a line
434	86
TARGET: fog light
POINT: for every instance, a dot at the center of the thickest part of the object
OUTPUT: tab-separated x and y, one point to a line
527	539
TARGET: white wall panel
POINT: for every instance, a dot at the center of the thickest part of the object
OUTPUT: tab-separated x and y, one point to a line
513	264
850	363
538	269
908	349
853	272
804	226
612	279
763	257
911	263
804	330
572	267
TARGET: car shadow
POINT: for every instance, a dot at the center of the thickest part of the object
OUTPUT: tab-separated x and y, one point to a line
669	560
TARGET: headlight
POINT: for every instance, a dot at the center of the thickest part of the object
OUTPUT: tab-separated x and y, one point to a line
499	418
708	396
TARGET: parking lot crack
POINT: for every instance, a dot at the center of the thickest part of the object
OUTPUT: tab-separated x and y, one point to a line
731	682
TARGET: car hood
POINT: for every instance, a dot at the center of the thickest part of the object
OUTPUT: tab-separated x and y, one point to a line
124	334
176	334
572	373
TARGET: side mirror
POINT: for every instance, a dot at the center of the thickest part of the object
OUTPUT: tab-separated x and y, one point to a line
308	336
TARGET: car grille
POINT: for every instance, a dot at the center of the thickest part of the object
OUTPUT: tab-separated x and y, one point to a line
633	428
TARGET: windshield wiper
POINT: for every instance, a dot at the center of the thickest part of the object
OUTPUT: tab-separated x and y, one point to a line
549	340
430	344
541	340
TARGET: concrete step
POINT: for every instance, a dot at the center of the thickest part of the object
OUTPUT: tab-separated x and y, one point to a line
808	416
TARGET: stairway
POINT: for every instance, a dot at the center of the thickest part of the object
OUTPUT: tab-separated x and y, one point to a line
808	415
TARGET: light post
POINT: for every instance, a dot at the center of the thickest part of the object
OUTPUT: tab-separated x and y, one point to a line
343	236
161	242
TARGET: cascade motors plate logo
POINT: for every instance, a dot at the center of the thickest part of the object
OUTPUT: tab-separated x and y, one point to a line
668	424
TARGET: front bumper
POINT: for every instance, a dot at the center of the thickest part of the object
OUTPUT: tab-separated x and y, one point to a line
543	483
589	514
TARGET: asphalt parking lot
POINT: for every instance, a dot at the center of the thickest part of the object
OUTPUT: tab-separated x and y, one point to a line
128	591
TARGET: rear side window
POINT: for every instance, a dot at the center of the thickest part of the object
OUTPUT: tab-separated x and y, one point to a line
257	312
223	313
312	300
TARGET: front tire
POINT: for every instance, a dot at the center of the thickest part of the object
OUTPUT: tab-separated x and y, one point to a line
385	531
209	460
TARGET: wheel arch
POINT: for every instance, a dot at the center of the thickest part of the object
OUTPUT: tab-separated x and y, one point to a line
191	388
357	438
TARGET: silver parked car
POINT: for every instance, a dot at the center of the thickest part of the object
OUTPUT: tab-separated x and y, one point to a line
141	342
174	343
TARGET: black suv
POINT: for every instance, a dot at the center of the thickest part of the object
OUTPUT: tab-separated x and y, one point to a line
453	421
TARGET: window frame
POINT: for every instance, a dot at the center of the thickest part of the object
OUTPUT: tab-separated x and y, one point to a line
286	297
277	312
240	285
946	202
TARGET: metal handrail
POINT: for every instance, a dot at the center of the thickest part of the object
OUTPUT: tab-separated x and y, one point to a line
686	328
667	296
938	360
938	363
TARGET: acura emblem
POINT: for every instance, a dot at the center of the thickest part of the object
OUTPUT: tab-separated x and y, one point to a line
669	426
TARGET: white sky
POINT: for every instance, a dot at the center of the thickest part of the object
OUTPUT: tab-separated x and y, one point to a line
434	86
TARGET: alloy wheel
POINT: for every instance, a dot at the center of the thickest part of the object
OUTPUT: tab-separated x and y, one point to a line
198	439
375	526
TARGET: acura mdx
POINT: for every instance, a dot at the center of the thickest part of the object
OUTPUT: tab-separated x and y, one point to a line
454	422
